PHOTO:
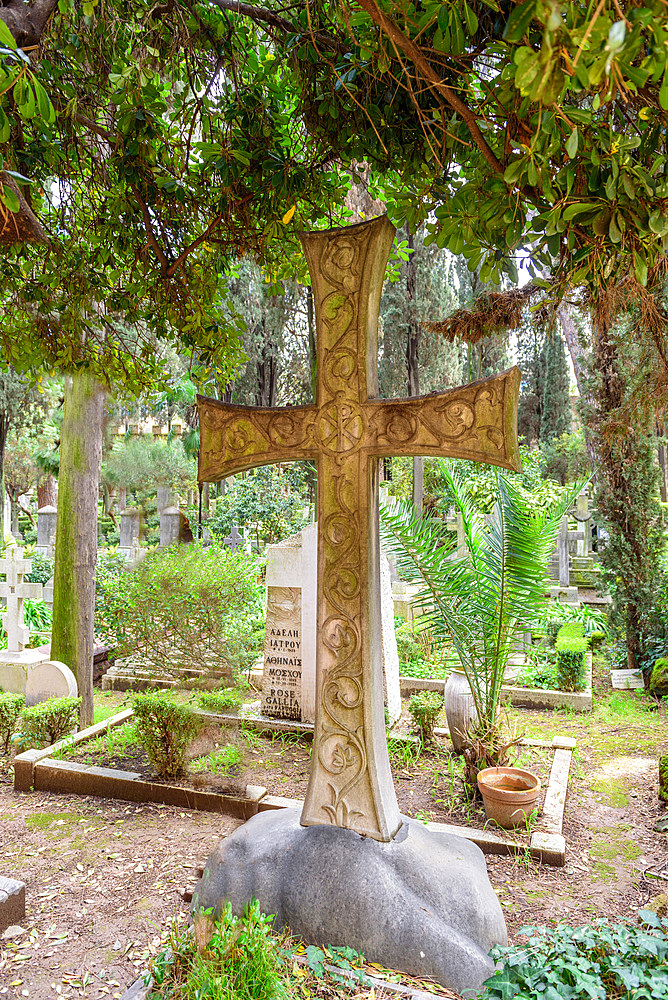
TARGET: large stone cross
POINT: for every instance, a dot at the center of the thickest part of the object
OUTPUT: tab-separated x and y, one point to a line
14	590
345	432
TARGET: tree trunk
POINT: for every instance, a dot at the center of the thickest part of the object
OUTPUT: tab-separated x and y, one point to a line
76	535
578	357
47	494
412	360
311	339
3	441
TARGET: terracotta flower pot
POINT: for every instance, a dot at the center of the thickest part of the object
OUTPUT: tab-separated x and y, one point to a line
510	794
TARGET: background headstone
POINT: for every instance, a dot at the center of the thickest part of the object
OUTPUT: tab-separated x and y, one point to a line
291	607
15	591
51	679
166	497
288	685
170	519
46	528
132	520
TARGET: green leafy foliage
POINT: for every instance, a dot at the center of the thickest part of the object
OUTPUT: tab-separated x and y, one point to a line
424	708
11	706
600	960
570	661
165	730
143	463
479	597
185	607
221	701
48	722
324	964
42	568
227	958
271	498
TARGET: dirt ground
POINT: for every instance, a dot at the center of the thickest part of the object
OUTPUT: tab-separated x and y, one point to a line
105	878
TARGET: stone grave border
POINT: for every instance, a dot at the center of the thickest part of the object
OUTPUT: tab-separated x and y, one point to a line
520	697
37	770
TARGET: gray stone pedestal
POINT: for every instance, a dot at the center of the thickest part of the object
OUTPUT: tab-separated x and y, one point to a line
421	903
47	518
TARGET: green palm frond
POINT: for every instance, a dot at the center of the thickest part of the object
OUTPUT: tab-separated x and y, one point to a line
480	595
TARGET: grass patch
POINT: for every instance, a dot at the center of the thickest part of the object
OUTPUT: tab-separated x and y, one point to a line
219	762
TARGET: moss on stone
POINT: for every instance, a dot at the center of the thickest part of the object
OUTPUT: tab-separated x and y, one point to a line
663	778
658	682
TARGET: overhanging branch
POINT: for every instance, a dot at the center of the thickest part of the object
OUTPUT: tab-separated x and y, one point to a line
26	21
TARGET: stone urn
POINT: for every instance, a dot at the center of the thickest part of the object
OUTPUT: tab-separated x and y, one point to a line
510	794
459	708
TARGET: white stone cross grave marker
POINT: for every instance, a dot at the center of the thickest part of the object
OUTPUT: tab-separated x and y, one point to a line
234	539
15	591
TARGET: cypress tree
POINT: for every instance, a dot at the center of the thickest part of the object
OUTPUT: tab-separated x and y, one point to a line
555	418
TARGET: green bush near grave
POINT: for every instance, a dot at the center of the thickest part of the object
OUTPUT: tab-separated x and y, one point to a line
48	722
228	958
600	961
570	662
228	700
184	608
424	707
165	730
11	706
42	569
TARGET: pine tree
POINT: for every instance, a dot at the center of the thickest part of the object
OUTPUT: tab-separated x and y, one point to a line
555	418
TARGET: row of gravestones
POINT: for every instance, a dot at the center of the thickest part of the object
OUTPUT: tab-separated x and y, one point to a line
27	671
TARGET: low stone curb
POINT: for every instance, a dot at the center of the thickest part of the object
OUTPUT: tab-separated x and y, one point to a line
12	902
38	770
521	697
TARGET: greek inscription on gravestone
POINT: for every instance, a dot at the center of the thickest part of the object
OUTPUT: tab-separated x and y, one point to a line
282	682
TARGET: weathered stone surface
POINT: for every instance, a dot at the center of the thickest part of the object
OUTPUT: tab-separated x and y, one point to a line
421	903
51	679
12	902
658	682
346	431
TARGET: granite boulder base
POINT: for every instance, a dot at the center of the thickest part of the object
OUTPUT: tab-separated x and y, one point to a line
421	903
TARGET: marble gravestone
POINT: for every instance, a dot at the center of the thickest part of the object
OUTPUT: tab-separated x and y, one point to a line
289	673
16	661
350	800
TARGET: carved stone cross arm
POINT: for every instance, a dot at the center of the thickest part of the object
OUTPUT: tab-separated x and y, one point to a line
345	432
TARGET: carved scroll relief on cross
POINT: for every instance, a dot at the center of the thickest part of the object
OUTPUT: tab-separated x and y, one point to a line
345	432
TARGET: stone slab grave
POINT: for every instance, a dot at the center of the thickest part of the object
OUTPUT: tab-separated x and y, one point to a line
350	792
12	902
42	770
16	661
289	671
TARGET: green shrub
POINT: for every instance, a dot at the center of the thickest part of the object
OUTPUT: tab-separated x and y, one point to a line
571	630
542	674
42	569
11	706
227	700
228	958
571	662
600	961
424	707
48	722
185	607
165	730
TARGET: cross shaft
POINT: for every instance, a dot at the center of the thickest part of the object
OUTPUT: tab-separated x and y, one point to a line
345	432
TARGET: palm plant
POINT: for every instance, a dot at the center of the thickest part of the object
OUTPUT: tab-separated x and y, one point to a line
478	598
